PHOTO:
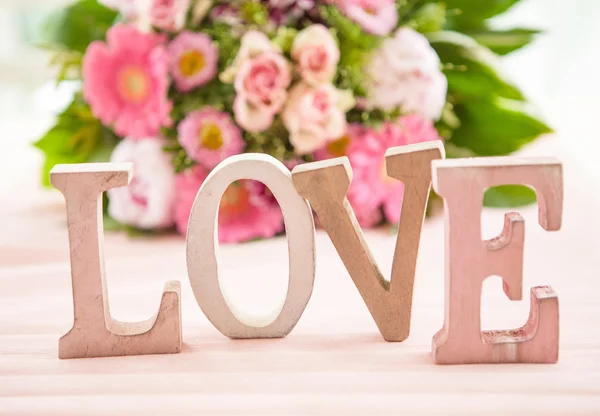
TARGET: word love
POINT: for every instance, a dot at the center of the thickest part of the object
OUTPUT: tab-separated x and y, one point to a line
323	186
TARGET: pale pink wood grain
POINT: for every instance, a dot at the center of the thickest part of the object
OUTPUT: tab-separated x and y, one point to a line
333	363
95	333
469	260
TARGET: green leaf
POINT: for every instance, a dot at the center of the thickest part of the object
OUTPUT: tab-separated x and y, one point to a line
355	49
284	38
471	69
227	39
78	25
468	14
110	224
509	196
77	137
496	127
503	42
255	13
429	18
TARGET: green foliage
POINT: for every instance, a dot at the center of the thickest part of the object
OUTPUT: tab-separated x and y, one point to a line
486	114
470	14
496	127
284	38
472	70
509	196
78	25
77	137
214	94
429	18
355	47
254	13
226	39
68	63
274	141
448	122
503	42
372	118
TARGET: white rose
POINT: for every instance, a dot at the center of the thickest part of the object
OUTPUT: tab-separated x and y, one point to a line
317	54
147	202
405	73
314	115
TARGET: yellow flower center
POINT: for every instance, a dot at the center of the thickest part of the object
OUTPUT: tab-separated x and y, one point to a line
133	84
211	136
338	147
191	63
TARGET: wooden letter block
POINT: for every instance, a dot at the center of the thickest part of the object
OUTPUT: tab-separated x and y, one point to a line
202	246
95	333
469	261
325	184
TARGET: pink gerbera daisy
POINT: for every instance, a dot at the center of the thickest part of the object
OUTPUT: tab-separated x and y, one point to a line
126	81
371	186
210	136
193	60
338	147
367	214
246	212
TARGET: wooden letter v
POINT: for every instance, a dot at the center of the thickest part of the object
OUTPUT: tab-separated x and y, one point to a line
325	185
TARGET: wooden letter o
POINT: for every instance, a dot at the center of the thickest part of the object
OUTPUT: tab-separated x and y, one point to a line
202	246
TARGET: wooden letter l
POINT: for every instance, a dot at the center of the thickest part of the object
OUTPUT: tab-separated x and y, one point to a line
95	333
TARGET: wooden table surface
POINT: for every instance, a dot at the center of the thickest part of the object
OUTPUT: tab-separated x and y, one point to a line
333	362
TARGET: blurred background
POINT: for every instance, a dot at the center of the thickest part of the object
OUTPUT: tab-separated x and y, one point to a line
559	72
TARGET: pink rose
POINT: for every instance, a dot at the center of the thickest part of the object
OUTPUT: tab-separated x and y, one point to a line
314	115
317	54
253	44
168	15
261	86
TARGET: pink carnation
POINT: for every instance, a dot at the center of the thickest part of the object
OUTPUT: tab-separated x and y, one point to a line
378	17
126	81
193	60
371	187
187	185
246	212
338	147
366	213
210	136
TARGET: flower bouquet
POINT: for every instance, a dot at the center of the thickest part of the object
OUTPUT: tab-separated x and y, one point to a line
176	86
